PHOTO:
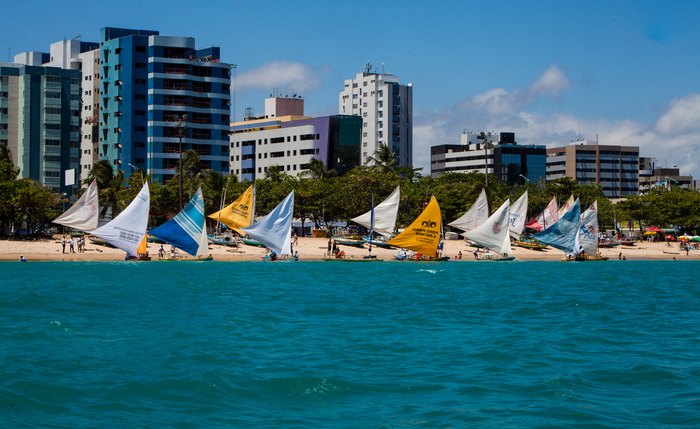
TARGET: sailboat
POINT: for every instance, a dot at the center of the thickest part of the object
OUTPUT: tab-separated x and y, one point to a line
84	214
567	205
340	256
563	233
236	216
518	215
546	218
587	237
422	236
187	230
384	218
494	235
475	216
274	230
128	229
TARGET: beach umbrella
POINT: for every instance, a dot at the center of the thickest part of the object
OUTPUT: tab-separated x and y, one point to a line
650	233
696	238
670	237
653	229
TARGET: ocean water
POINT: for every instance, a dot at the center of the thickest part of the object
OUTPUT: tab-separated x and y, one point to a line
333	345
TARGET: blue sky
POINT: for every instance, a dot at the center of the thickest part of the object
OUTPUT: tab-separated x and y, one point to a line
627	72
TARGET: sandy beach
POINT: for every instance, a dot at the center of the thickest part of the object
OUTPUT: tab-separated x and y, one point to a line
315	249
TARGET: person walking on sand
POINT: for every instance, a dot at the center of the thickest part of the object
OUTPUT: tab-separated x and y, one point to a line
71	244
330	243
63	244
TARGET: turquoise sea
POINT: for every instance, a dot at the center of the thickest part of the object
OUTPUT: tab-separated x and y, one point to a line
333	345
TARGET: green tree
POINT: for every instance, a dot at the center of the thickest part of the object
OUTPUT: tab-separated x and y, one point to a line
383	158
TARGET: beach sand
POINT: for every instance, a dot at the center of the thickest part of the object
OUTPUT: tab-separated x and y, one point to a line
315	249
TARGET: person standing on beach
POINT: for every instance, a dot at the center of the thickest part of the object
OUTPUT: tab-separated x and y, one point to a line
63	244
71	245
330	243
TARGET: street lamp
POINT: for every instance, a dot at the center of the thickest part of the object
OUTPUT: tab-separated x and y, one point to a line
526	179
137	169
180	126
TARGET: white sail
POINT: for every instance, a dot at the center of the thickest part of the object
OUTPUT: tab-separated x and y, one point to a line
494	233
84	213
518	214
275	229
475	216
384	214
587	238
128	229
203	249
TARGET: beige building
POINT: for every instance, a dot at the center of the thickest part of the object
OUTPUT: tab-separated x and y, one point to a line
614	168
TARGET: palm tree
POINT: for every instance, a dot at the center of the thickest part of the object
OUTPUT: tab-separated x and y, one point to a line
274	173
317	169
383	157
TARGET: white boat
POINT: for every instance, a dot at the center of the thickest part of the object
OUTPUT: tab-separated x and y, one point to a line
384	215
475	216
518	216
128	229
563	233
275	230
494	236
368	258
187	230
587	237
84	214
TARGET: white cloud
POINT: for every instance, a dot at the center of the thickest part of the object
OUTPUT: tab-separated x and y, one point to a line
283	75
673	140
552	83
682	116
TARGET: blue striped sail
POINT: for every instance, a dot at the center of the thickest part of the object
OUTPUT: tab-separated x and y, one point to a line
185	229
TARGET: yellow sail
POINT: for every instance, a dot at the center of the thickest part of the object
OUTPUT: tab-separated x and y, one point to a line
423	235
238	214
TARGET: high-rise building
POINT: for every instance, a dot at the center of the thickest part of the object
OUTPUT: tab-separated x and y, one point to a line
614	168
497	154
139	91
386	109
160	96
40	122
285	138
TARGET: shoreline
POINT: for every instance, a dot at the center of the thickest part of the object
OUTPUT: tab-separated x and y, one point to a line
314	249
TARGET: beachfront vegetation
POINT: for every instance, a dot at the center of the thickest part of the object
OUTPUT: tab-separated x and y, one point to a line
322	197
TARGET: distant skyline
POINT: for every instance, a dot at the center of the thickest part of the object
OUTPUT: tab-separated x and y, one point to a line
627	73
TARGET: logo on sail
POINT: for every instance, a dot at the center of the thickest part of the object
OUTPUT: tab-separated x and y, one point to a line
429	223
496	227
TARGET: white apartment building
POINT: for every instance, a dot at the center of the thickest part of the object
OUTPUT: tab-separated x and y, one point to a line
386	109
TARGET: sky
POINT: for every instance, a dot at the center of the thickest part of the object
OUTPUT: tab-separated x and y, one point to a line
619	72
